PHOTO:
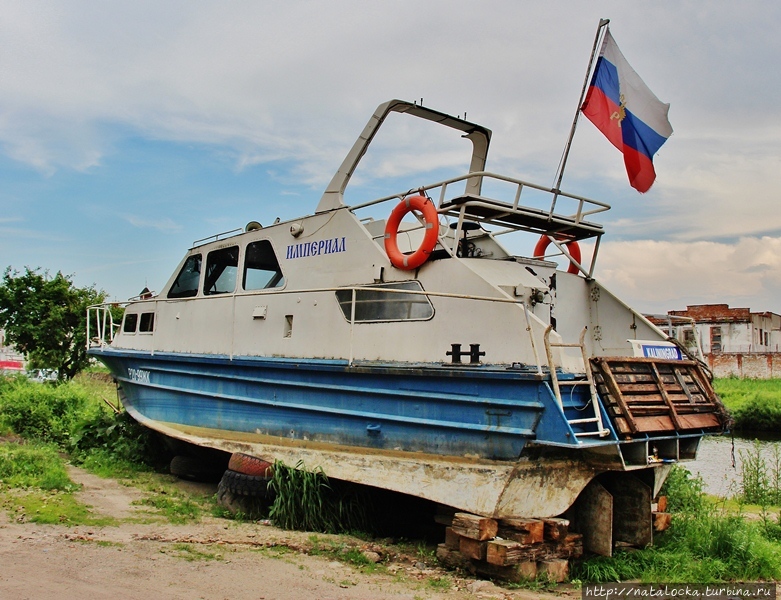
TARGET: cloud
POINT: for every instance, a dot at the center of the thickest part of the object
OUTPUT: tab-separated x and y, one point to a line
165	225
663	275
288	87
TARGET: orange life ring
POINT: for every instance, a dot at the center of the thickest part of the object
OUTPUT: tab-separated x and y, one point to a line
572	247
408	262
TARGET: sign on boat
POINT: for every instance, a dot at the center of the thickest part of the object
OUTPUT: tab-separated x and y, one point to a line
420	354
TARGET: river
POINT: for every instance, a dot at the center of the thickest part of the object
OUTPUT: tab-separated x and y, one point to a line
715	463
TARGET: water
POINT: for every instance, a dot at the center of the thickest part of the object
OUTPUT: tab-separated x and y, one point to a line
715	462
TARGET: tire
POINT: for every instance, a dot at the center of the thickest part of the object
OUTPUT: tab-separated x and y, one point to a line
250	465
249	506
194	469
245	485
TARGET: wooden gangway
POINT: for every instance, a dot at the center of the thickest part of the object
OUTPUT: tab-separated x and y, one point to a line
647	395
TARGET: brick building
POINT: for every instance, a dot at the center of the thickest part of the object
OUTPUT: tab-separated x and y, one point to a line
734	341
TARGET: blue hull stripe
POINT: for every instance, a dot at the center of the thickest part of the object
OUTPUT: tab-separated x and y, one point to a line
484	412
350	413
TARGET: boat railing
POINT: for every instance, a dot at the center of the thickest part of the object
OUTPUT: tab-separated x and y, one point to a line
217	237
102	329
537	218
508	213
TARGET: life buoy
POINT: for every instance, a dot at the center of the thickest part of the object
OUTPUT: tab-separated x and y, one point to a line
408	262
572	247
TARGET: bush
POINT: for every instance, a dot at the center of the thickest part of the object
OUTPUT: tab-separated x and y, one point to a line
41	412
74	418
104	435
684	492
33	465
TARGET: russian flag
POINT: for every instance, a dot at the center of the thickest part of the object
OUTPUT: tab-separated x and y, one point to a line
628	113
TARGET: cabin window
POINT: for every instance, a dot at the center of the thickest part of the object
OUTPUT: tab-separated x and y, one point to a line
129	326
221	268
186	284
261	267
147	323
378	306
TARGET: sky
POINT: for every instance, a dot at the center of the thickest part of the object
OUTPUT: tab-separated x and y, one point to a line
128	130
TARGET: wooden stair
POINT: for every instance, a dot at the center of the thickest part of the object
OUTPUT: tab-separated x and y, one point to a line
647	395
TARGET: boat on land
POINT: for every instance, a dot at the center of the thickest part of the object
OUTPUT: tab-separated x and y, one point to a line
402	343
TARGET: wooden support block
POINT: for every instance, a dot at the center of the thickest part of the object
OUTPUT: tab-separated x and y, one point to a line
571	546
556	570
475	527
452	539
556	529
662	521
525	531
527	570
474	549
453	559
503	552
524	571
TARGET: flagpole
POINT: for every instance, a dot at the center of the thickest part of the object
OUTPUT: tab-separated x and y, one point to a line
565	155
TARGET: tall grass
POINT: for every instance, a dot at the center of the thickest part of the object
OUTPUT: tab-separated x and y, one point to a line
760	474
306	500
701	546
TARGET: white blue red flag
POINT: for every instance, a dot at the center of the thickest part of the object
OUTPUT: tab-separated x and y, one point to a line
628	113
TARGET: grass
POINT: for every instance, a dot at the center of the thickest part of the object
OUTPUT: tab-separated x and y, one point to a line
704	545
755	404
760	474
305	500
177	509
35	487
35	465
47	423
341	550
52	508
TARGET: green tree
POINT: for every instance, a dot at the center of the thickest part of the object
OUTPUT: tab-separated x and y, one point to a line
45	317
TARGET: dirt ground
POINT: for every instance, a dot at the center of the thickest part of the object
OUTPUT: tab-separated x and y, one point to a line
215	559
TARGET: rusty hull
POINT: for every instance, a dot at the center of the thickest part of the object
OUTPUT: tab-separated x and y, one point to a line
501	489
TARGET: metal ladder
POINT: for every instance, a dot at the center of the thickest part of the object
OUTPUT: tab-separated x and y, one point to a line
601	431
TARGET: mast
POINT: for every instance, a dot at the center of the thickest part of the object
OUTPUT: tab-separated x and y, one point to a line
565	155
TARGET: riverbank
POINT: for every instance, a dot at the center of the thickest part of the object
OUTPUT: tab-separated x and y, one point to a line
755	404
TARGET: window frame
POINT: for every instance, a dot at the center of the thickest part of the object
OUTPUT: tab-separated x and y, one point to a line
171	295
344	306
128	316
223	250
150	317
282	279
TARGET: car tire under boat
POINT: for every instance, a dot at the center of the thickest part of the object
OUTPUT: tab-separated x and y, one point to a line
195	469
245	485
250	465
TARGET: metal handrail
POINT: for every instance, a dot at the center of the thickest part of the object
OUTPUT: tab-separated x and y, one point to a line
105	335
105	327
577	216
